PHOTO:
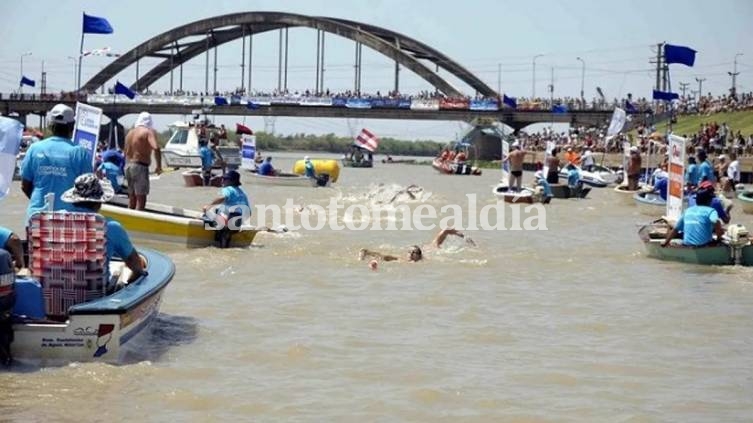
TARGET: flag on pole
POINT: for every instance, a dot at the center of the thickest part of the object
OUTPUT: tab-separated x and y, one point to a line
96	25
679	54
27	81
243	129
122	89
367	140
619	118
510	101
667	96
11	131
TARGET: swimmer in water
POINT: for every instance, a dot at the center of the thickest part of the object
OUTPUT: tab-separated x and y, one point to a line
415	253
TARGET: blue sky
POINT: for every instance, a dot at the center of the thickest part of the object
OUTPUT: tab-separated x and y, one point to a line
614	39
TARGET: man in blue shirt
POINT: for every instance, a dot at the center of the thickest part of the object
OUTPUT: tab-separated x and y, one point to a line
233	203
705	170
309	166
12	244
87	195
110	169
691	175
698	223
661	184
207	161
266	168
52	165
546	188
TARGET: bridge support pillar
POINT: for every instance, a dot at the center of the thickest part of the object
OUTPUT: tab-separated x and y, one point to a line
112	133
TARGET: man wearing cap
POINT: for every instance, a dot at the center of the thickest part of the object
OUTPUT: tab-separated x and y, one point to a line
722	205
52	165
87	195
698	223
139	144
634	168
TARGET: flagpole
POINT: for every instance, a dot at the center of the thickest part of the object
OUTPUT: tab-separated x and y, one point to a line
80	56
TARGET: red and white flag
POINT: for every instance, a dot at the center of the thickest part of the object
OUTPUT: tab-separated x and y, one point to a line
367	140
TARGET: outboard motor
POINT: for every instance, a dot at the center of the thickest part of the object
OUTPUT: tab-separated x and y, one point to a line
7	301
322	179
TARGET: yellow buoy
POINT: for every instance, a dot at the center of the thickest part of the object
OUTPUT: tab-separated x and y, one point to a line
328	166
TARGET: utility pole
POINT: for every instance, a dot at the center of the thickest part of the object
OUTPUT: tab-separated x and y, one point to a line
499	79
700	87
683	87
733	74
533	88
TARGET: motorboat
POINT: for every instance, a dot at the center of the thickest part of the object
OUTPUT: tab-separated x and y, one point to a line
746	200
64	314
182	149
733	248
160	222
524	196
593	179
454	168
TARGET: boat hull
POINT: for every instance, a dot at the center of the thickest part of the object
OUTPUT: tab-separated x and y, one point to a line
284	179
563	191
454	168
502	192
353	163
625	196
746	200
170	224
650	204
102	330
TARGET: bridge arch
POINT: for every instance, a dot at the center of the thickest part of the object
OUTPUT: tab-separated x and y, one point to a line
405	50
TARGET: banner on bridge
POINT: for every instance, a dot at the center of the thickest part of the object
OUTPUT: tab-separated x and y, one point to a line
358	103
315	101
453	104
484	105
424	104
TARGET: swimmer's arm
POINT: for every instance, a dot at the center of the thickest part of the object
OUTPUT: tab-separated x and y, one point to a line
368	253
442	236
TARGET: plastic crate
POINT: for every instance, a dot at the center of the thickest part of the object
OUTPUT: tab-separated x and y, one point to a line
68	257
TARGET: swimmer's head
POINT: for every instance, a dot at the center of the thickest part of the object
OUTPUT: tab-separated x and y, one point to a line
373	264
415	253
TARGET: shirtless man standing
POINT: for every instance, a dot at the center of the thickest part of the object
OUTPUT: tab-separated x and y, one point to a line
634	168
139	144
516	157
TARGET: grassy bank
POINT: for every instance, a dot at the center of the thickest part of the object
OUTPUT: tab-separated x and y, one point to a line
689	124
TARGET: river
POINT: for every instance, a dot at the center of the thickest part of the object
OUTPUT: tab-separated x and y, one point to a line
568	324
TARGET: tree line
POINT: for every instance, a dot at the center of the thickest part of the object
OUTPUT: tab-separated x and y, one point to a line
332	143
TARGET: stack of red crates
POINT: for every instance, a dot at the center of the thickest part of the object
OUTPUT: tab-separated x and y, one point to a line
68	257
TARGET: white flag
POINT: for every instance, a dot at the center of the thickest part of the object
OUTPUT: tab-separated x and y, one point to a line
619	117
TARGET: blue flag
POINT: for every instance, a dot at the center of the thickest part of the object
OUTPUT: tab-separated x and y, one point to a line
629	107
510	101
27	81
661	95
220	101
95	25
679	54
122	89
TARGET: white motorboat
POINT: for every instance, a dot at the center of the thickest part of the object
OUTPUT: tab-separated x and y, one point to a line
593	179
182	149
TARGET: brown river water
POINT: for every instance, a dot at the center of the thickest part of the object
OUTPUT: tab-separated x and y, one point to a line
570	324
